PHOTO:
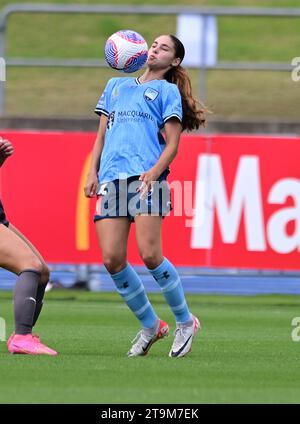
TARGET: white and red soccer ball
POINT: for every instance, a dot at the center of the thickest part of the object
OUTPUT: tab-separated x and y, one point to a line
126	51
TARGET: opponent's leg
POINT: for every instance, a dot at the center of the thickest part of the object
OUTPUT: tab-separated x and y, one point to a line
17	257
45	273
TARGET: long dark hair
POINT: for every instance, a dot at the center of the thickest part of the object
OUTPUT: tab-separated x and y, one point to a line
193	109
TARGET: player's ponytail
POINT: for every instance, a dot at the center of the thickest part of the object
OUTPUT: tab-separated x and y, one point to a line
193	110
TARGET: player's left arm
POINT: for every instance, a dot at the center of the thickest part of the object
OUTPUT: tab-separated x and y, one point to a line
173	129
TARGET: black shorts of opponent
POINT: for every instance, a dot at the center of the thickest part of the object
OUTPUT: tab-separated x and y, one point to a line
3	219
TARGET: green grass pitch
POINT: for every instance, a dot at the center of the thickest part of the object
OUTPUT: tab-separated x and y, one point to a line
244	353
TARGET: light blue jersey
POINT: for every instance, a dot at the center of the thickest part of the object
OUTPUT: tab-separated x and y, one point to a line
136	114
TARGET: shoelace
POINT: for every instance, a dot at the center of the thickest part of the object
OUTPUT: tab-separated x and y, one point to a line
180	334
139	340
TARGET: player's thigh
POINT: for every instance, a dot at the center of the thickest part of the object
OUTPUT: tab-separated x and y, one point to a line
45	270
148	236
112	234
15	254
29	244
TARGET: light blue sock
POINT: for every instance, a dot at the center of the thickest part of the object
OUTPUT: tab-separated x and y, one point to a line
130	287
169	281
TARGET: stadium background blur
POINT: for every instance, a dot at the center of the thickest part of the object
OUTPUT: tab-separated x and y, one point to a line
231	94
250	329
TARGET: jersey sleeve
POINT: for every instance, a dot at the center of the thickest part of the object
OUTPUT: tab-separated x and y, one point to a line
171	103
103	105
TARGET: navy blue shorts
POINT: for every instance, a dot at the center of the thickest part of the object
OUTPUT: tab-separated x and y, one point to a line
3	219
120	198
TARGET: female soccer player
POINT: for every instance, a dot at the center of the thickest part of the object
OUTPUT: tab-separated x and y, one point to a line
18	255
128	172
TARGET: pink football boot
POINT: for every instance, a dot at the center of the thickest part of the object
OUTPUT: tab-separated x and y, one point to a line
28	344
10	339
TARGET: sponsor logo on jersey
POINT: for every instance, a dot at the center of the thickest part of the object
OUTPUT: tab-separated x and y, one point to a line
134	115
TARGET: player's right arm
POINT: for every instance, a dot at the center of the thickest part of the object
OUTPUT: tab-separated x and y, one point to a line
90	188
6	150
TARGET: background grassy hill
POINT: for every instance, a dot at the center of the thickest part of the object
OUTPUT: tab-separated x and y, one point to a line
74	92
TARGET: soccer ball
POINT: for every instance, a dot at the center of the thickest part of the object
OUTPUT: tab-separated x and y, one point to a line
126	51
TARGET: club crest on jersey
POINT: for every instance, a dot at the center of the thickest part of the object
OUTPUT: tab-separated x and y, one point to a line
150	94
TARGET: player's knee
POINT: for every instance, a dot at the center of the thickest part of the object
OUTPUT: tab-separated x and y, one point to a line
31	263
45	274
151	259
114	263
